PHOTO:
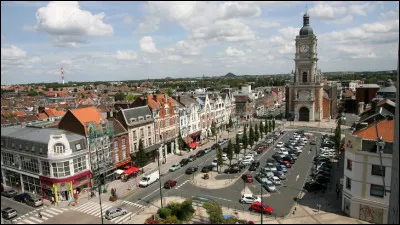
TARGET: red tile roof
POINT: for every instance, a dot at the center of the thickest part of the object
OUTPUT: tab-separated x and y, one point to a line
87	115
42	116
385	129
54	112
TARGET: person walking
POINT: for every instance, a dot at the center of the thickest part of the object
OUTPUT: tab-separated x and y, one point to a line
337	192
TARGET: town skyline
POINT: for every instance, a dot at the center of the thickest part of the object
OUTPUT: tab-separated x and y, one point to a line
155	42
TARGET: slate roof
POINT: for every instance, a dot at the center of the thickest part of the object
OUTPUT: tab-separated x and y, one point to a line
118	128
135	113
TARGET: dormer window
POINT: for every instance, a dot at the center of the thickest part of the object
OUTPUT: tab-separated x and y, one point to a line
148	117
141	118
59	148
133	120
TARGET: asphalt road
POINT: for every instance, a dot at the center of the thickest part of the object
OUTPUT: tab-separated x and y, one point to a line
21	208
76	217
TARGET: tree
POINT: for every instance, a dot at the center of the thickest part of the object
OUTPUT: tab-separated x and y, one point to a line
181	142
75	90
338	135
266	128
269	126
33	92
229	154
141	156
251	136
273	123
213	130
219	158
244	140
169	92
237	146
261	129
130	97
256	134
230	125
120	96
105	91
214	210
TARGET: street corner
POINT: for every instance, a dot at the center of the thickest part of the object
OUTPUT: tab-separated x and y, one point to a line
212	182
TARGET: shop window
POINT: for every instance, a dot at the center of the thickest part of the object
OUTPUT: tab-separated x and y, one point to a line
377	190
376	170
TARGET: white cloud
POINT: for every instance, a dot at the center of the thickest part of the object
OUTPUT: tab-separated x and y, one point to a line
14	57
340	12
230	51
65	21
392	14
129	20
12	52
125	55
229	10
355	52
147	44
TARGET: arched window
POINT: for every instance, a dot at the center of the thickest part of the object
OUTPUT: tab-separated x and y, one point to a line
59	148
305	77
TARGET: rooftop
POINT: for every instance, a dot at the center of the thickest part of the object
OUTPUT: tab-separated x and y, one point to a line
385	130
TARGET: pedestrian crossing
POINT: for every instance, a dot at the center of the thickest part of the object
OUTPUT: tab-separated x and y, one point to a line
134	204
181	184
93	208
32	217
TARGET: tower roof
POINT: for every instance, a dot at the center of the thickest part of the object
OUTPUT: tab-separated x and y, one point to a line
306	29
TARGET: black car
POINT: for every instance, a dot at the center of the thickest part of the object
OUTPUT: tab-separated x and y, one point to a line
191	170
327	170
232	169
241	166
200	153
270	160
322	173
293	155
321	179
214	146
22	197
314	186
184	162
207	169
254	165
192	158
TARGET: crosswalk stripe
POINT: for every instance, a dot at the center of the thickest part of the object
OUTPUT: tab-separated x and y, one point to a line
28	221
104	210
57	210
36	219
51	212
45	213
91	210
65	209
90	207
122	218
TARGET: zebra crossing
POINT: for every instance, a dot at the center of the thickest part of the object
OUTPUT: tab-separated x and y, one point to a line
181	184
32	217
93	208
134	204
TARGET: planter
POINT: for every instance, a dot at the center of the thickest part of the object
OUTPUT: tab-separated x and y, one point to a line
206	176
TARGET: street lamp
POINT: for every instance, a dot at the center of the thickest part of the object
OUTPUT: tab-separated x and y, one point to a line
159	174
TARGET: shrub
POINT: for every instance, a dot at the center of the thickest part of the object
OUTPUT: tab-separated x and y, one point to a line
206	171
171	220
215	212
186	210
164	212
113	198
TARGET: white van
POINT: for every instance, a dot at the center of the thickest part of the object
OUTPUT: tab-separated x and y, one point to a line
149	179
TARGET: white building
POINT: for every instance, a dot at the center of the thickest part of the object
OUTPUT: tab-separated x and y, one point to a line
189	117
363	190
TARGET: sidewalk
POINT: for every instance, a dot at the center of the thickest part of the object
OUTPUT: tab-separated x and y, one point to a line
127	188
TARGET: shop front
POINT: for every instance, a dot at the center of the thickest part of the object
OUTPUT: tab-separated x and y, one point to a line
64	189
196	136
122	164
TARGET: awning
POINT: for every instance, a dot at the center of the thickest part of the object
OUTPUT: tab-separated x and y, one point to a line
131	170
195	134
119	172
188	140
194	144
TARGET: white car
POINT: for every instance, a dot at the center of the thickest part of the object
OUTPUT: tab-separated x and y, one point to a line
304	139
283	151
269	186
214	162
280	144
247	161
252	155
224	157
328	154
269	141
276	180
240	132
296	138
302	143
249	199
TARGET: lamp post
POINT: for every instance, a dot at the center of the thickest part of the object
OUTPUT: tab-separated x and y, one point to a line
159	174
261	197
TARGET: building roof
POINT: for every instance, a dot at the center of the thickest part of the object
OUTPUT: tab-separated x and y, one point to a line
118	128
368	86
186	100
38	135
87	115
27	118
348	92
42	116
135	113
385	130
242	98
54	112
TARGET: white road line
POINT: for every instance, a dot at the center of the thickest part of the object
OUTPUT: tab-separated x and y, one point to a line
297	177
28	221
52	212
150	194
122	218
179	176
48	215
57	210
36	219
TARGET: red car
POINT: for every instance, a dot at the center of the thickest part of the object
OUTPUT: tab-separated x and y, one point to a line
342	147
248	178
170	184
287	164
261	208
260	150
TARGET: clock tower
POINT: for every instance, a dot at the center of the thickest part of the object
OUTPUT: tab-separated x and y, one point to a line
305	90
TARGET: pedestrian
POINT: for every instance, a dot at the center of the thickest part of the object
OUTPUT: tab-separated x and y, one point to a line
318	207
337	192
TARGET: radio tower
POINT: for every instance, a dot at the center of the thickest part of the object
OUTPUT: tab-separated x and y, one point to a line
62	75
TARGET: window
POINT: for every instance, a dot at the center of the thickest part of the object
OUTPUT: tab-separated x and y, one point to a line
134	135
141	133
59	148
116	156
348	183
115	144
13	144
29	164
45	168
377	190
123	153
61	169
20	146
149	141
149	130
33	148
78	147
134	146
349	164
8	159
305	77
376	170
123	142
79	164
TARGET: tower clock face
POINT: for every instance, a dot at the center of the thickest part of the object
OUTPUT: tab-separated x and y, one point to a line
304	48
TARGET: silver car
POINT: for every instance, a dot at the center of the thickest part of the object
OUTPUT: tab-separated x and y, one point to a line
269	186
115	212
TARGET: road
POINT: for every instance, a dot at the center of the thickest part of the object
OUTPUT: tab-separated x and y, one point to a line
21	208
75	217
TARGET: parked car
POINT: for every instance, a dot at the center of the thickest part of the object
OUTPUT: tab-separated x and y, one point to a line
321	179
22	197
248	178
192	158
289	159
280	174
249	198
170	184
269	141
322	173
261	208
200	153
241	166
279	144
215	162
281	168
207	169
287	164
224	157
294	156
254	165
9	193
207	150
191	170
313	142
115	212
34	202
260	150
232	169
175	167
276	180
247	161
267	172
261	177
314	186
283	151
269	186
8	213
184	162
271	160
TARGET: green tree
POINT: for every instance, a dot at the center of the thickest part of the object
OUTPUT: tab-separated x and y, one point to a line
214	210
214	130
266	128
237	146
181	142
219	158
230	125
169	92
75	90
261	129
158	91
244	140
269	126
119	96
229	153
251	136
141	157
33	92
273	123
338	135
256	134
130	97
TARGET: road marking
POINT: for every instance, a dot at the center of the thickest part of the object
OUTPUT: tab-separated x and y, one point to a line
179	176
48	215
37	220
150	193
297	177
28	221
218	198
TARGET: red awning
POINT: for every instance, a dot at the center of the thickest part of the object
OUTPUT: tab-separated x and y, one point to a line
194	144
131	170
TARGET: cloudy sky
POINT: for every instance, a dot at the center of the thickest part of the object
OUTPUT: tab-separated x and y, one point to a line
138	40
